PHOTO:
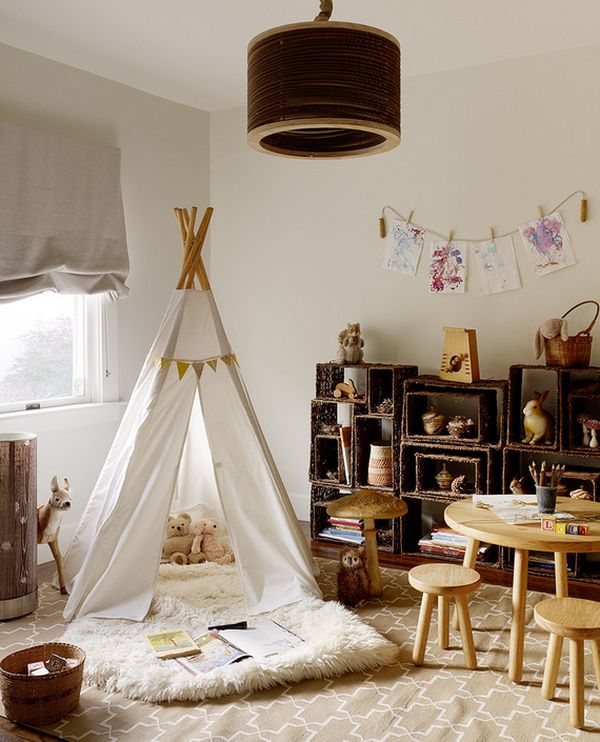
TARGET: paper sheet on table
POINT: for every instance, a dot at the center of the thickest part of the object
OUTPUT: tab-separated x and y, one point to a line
514	508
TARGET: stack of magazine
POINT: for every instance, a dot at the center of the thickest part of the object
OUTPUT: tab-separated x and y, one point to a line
444	541
349	530
197	655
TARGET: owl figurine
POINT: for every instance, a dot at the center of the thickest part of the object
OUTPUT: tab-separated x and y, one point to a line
352	576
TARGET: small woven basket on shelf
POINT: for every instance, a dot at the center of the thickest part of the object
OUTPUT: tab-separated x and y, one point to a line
576	350
40	699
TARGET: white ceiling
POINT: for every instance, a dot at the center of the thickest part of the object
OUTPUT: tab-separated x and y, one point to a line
194	51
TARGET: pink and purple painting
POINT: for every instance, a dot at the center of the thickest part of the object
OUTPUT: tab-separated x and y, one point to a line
548	244
448	267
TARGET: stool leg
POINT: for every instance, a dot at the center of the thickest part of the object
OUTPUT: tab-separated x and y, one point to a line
576	682
596	658
469	560
443	622
423	628
466	631
555	644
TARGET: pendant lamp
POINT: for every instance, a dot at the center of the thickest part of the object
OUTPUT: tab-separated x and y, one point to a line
323	89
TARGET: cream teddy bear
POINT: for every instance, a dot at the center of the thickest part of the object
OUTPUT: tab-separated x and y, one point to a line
206	541
177	547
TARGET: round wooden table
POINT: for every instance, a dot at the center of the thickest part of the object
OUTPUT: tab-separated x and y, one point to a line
481	524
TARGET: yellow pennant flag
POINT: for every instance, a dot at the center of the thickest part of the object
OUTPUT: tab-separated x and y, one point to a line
182	367
198	368
226	359
233	355
213	363
164	363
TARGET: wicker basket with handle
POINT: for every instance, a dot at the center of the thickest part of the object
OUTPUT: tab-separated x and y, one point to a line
576	349
40	699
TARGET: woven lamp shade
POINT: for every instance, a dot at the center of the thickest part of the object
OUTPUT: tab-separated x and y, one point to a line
323	89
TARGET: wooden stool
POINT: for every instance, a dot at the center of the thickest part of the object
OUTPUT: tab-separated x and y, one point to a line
575	619
446	581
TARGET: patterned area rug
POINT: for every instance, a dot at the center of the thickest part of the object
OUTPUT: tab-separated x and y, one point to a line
438	702
118	658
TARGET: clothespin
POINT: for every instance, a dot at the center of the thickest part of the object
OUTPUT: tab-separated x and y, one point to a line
541	211
492	234
381	227
410	216
450	236
583	209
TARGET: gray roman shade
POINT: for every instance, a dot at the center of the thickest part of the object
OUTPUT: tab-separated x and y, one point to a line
61	216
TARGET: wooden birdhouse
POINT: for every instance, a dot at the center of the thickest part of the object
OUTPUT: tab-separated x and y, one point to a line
459	358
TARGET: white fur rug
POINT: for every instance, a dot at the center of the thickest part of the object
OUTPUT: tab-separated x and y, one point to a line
192	597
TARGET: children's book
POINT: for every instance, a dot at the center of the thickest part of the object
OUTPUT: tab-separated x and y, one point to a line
172	643
261	639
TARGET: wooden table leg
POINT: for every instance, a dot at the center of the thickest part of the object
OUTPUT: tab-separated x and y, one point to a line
556	642
562	581
469	560
596	657
517	628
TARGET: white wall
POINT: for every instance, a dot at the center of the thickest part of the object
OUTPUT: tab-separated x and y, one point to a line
296	252
164	163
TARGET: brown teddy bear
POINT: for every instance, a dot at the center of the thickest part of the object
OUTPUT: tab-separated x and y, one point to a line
206	542
177	547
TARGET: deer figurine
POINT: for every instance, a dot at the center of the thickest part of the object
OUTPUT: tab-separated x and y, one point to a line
49	517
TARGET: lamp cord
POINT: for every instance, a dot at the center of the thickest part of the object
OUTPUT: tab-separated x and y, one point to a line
326	10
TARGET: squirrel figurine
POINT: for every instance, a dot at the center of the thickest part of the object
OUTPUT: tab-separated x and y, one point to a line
350	345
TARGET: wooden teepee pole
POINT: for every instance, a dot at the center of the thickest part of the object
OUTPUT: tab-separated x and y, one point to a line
192	244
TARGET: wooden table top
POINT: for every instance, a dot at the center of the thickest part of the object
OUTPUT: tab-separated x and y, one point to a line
482	525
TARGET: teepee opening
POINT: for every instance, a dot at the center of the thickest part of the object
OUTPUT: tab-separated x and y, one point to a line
189	438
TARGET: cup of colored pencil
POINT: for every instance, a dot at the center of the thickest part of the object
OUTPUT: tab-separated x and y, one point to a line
546	481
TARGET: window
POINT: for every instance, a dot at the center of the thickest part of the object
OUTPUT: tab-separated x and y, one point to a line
51	351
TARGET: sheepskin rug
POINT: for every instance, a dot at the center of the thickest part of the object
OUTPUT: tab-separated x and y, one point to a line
195	596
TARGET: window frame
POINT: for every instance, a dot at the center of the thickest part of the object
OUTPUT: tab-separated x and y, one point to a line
97	327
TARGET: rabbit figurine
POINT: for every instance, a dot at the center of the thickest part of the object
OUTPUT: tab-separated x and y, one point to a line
538	422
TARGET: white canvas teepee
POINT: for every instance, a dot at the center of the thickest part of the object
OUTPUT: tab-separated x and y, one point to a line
189	435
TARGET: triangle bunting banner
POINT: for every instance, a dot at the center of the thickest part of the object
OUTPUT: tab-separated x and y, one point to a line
182	367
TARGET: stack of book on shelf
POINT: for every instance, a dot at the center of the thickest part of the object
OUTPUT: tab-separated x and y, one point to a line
348	530
446	542
544	560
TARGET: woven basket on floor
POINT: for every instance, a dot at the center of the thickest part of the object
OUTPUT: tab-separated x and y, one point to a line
576	350
40	699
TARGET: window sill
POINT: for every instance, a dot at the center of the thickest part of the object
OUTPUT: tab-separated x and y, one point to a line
75	415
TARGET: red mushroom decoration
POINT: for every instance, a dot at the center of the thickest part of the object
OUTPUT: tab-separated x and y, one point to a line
593	425
582	419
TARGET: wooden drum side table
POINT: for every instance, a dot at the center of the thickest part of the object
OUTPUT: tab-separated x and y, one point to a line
480	524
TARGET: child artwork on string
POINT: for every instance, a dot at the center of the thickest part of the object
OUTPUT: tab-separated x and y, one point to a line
448	267
403	247
497	265
548	244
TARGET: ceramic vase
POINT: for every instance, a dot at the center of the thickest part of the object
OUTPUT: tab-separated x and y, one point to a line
444	478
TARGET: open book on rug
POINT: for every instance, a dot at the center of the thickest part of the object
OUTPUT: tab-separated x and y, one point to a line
219	648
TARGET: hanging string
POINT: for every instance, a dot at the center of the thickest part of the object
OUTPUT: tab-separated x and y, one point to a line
382	230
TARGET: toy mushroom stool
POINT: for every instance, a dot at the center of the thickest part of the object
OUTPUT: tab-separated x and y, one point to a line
582	419
369	505
593	426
